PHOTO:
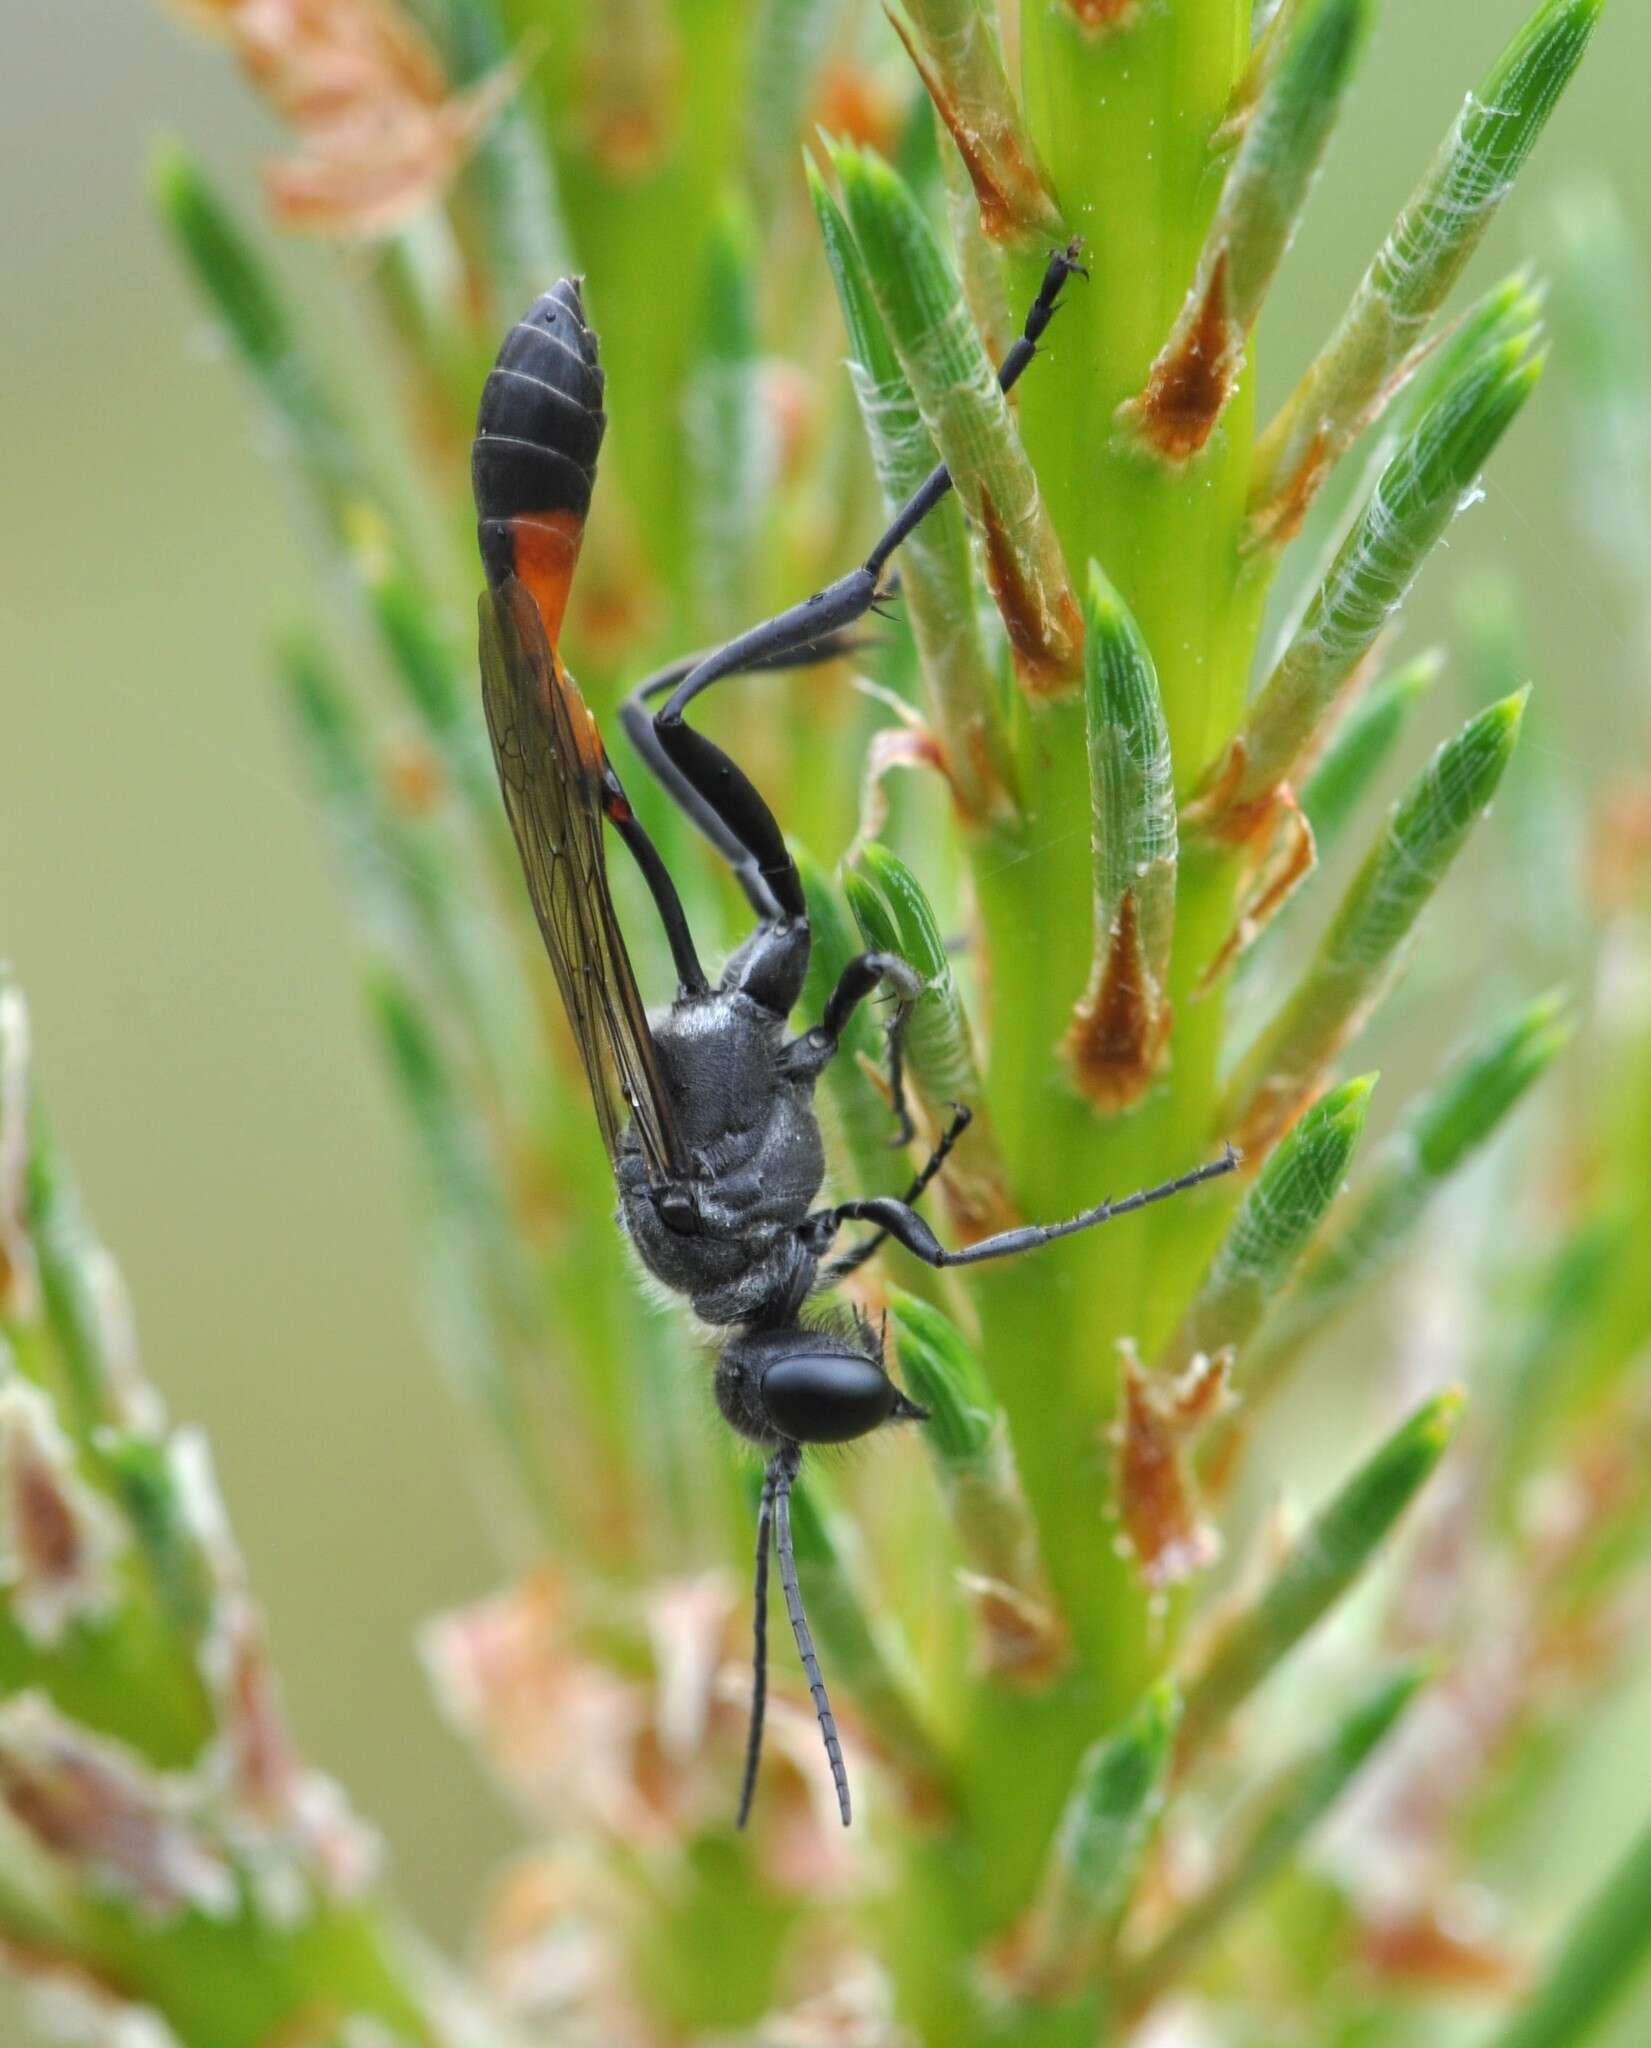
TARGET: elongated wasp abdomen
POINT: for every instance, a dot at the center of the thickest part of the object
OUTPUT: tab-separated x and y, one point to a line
538	431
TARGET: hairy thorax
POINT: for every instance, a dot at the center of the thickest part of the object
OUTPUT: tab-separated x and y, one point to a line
728	1238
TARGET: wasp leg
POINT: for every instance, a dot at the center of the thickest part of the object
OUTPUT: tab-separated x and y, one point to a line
637	720
856	1256
617	810
833	610
864	973
901	1222
819	620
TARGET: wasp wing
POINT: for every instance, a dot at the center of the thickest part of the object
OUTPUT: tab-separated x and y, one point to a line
555	776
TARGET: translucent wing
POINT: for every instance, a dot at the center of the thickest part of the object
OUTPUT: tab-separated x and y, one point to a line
556	780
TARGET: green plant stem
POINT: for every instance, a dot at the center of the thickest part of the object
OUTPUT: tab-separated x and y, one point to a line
1136	186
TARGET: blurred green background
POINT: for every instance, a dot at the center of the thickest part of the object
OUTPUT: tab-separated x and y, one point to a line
167	899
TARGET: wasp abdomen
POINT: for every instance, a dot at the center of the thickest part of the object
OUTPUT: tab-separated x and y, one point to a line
538	430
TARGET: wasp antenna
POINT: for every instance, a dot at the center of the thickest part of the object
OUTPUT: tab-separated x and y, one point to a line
787	1463
759	1648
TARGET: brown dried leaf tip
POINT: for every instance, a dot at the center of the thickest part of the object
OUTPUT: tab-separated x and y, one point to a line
1277	522
60	1539
972	97
1442	1948
1279	854
1044	625
1158	1502
910	744
627	97
1023	1640
381	135
102	1812
1120	1029
1196	373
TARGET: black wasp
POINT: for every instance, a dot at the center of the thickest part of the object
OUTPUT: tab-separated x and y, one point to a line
707	1107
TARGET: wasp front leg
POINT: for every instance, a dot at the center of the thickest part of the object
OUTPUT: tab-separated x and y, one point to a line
866	972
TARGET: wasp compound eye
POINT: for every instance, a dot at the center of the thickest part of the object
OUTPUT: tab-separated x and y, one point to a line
825	1398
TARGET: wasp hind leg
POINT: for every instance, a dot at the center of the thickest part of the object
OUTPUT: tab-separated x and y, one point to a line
830	612
636	716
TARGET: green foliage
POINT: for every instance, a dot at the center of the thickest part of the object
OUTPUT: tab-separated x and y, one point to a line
1340	1542
1098	813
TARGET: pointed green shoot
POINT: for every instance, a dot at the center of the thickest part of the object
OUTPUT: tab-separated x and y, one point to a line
1021	1638
1433	472
1603	1953
1275	1222
1280	1817
1363	949
1446	1127
482	1285
1441	226
247	300
954	45
1300	86
1362	746
240	289
1510	311
968	416
968	704
1121	1027
859	1111
1099	1847
142	1472
408	889
440	689
1346	1535
82	1309
895	916
729	451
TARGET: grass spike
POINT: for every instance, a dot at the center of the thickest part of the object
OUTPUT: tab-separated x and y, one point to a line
893	914
1335	1548
1283	137
1431	475
1362	745
1363	949
1095	1861
1275	1222
957	391
1279	1817
1021	1637
970	709
1461	1112
1121	1027
1441	225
